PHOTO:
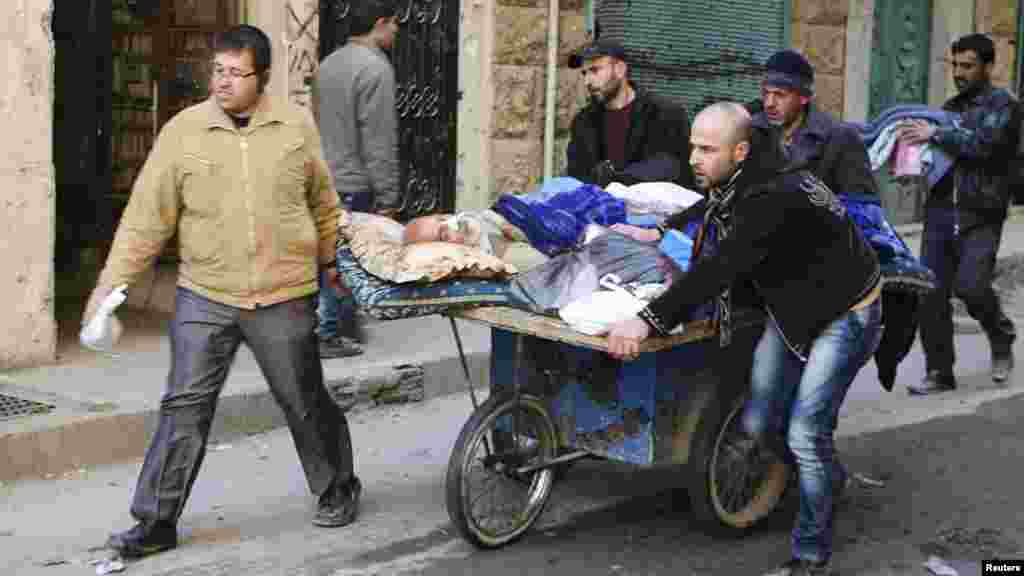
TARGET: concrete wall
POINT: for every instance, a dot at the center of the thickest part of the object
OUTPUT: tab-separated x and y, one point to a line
28	335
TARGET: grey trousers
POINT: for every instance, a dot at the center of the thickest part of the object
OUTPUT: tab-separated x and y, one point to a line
205	337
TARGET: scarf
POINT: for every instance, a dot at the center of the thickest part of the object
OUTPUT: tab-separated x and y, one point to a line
718	213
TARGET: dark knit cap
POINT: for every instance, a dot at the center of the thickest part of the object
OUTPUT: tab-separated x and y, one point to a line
789	69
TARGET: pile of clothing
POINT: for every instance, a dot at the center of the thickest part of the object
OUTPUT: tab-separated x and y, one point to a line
879	137
555	216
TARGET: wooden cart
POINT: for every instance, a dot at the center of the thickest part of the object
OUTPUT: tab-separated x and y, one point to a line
556	396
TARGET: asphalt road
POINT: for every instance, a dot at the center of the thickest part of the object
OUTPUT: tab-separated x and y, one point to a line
951	488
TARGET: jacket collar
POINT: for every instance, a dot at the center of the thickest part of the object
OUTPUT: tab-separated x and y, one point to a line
815	124
264	113
977	98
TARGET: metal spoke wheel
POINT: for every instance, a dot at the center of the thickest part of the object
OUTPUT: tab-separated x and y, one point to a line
489	501
736	483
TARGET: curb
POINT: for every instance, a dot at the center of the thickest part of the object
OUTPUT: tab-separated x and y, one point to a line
74	439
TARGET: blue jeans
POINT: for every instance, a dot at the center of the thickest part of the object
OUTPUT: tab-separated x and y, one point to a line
333	310
802	401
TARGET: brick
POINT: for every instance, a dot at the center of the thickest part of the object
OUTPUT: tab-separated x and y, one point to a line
572	96
518	102
822	12
996	17
517	165
521	37
572	33
824	47
828	93
1006	58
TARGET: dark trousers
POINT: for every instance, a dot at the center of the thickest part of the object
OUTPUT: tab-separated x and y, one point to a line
964	265
205	336
337	315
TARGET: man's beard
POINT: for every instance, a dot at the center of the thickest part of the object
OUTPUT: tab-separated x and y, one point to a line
609	92
968	86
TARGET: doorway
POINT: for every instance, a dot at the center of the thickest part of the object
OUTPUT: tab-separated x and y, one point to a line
122	69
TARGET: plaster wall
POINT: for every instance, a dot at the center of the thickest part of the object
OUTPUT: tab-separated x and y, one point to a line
29	334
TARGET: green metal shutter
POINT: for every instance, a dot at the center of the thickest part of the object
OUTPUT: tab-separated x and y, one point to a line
696	52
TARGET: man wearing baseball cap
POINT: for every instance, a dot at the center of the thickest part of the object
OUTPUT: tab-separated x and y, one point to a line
812	139
625	134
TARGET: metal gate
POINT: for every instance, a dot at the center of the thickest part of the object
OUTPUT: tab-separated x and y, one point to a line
426	60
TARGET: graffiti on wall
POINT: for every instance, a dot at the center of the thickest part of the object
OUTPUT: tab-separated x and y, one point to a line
303	40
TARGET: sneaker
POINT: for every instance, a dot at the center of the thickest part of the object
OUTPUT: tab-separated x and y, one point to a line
339	506
936	381
140	541
339	347
800	567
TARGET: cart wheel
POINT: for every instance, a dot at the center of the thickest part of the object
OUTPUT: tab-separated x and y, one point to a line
733	485
489	503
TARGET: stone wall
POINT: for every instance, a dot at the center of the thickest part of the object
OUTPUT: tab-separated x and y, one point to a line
819	32
27	183
998	19
519	65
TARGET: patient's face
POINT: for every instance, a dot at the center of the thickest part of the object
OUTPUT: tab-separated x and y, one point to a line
435	229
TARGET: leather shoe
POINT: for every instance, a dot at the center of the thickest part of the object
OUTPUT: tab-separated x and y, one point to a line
339	347
936	381
339	506
140	541
1002	361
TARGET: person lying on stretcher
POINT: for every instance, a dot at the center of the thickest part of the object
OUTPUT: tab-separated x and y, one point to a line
484	229
553	220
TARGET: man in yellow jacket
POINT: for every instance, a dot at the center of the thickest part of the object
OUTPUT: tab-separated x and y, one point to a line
243	184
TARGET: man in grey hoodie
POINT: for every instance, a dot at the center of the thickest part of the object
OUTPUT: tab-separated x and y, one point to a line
359	131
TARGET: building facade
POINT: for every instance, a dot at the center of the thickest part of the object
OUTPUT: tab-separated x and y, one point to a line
74	140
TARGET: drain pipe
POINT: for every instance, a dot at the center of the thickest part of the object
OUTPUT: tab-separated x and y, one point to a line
551	92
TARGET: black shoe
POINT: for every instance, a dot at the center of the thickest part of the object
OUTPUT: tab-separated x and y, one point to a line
1002	359
354	330
798	567
936	381
339	506
339	347
140	541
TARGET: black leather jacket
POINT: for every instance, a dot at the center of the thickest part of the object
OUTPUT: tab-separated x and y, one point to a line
657	143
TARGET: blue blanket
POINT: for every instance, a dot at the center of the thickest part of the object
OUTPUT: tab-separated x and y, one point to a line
900	268
554	224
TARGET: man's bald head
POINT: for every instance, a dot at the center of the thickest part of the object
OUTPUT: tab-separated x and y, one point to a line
720	140
731	119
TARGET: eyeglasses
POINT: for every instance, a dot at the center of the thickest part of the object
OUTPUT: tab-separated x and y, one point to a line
233	73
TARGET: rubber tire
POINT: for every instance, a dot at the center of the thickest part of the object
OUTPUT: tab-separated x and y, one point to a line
701	484
455	489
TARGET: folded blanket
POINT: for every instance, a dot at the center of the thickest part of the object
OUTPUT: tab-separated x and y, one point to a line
879	136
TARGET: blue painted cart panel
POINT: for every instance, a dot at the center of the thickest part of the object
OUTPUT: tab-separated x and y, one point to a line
640	412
